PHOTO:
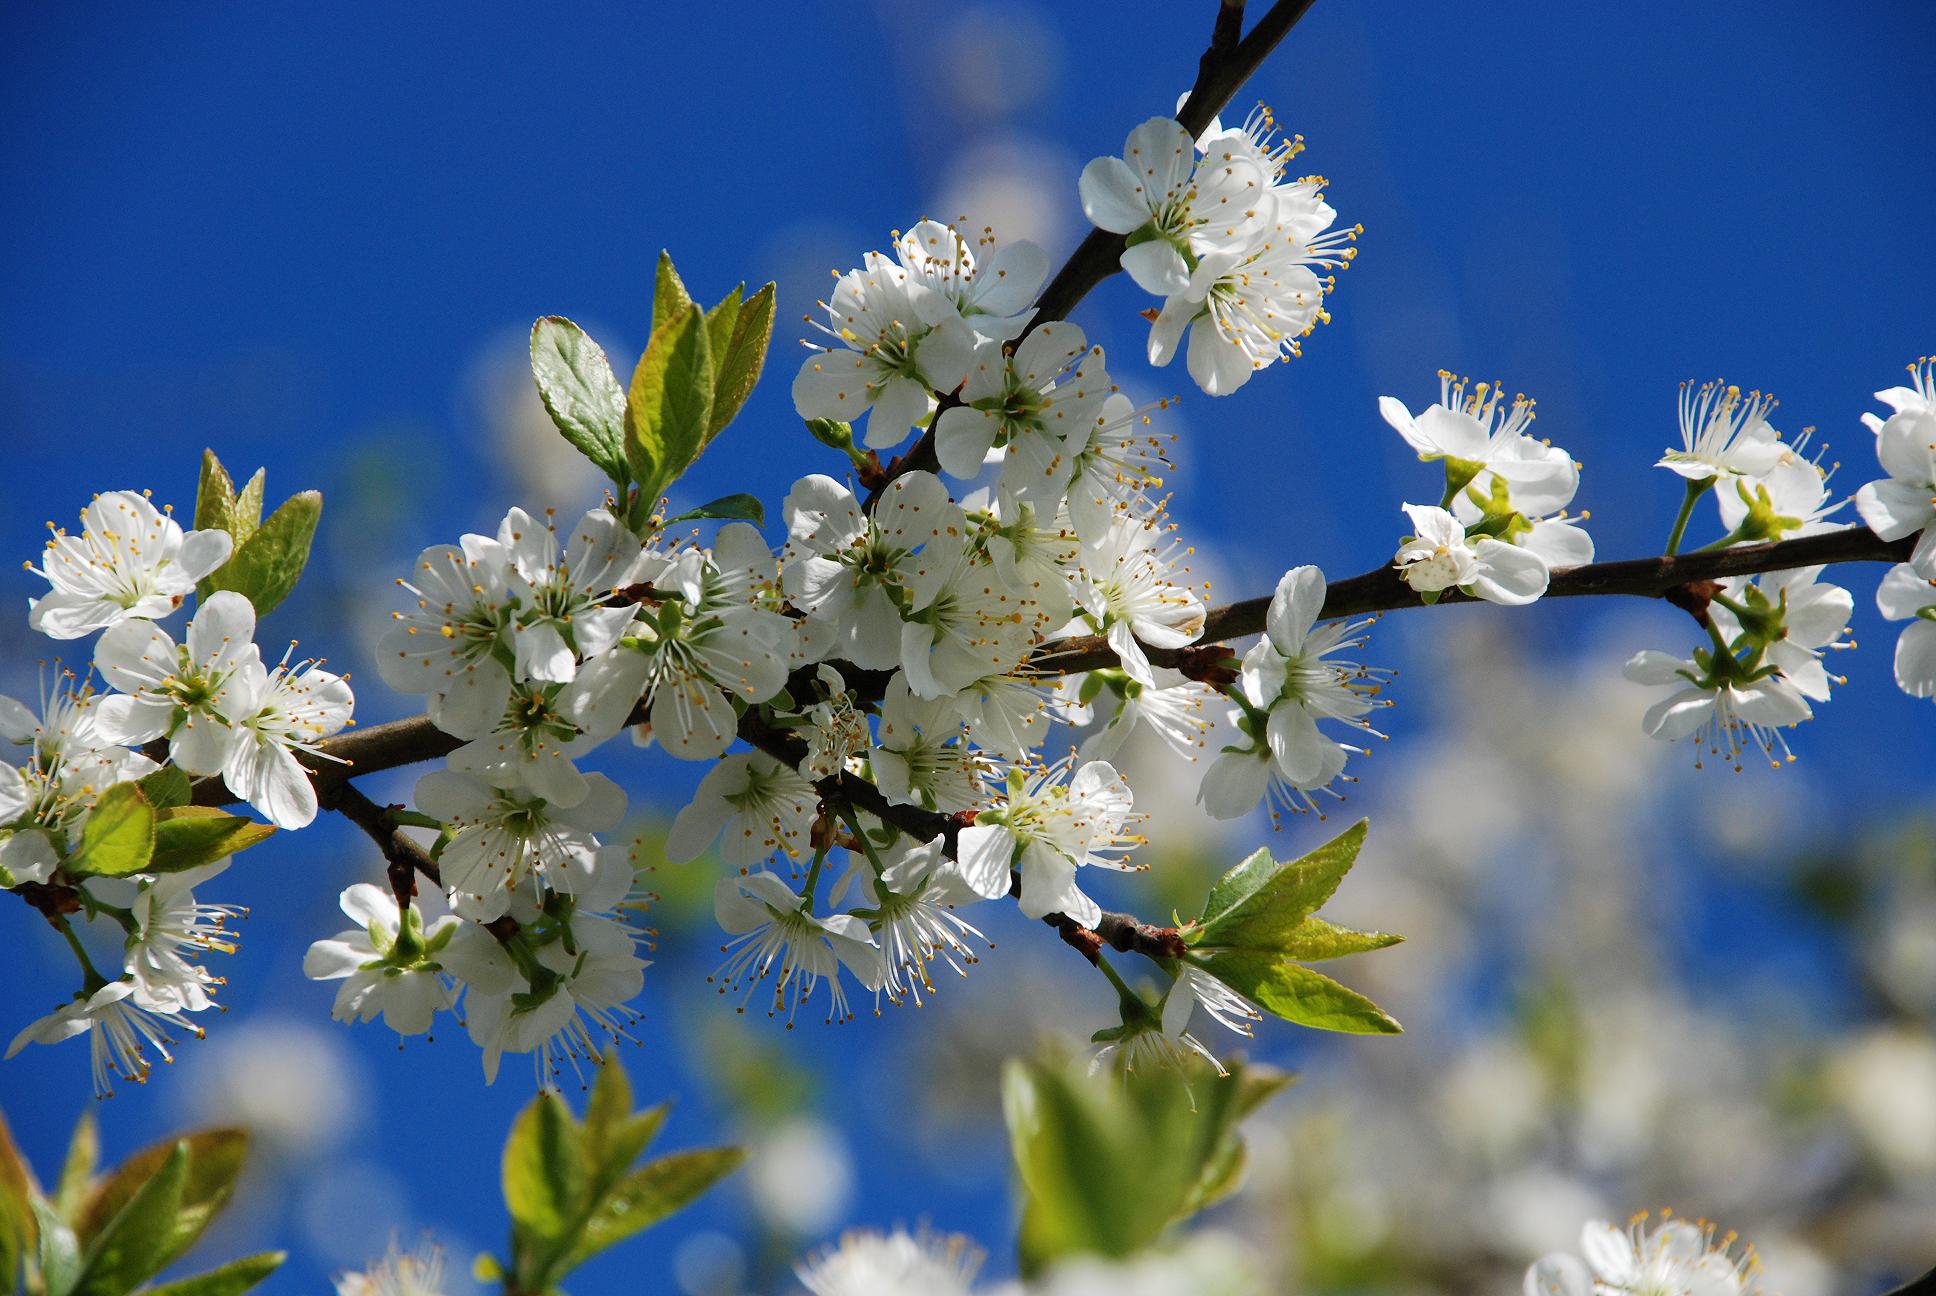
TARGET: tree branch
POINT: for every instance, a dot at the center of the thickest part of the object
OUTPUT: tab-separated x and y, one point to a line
1226	64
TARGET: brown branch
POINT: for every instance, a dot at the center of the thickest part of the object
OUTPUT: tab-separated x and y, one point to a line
404	857
1226	64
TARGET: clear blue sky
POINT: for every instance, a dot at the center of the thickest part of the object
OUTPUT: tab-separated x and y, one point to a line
290	233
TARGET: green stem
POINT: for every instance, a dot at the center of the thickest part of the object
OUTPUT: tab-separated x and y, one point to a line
91	979
1115	979
813	878
1734	537
852	821
1696	487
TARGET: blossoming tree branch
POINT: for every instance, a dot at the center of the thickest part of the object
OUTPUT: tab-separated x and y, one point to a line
909	705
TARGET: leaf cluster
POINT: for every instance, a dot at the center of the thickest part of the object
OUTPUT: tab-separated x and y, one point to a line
110	1233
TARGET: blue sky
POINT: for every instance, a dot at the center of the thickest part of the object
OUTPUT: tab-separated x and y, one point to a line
299	236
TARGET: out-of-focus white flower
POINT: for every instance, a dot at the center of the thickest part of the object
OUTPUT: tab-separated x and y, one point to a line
1673	1258
866	1263
418	1272
131	560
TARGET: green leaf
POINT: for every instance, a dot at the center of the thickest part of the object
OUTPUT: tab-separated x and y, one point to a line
132	1246
670	402
214	1162
580	391
738	362
246	514
17	1197
1298	994
669	295
615	1135
1256	903
650	1193
1314	940
214	495
231	1279
167	788
119	837
77	1171
59	1251
187	837
736	508
266	566
544	1168
719	322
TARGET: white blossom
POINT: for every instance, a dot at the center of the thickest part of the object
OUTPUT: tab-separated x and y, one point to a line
1116	468
504	839
1720	705
988	286
70	762
130	561
172	931
196	694
1049	823
448	646
1173	709
1483	441
1904	502
120	1032
913	917
1175	206
1441	556
753	805
850	570
284	711
1723	434
1130	586
562	618
398	1273
867	1263
1030	400
1670	1258
885	356
387	963
920	756
1793	617
774	936
1156	1041
1907	595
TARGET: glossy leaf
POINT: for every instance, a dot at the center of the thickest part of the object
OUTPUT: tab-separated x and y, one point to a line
1256	903
190	836
133	1244
544	1167
214	495
738	361
669	295
735	508
651	1193
266	566
670	402
166	788
581	393
231	1279
1298	994
119	837
214	1162
1315	940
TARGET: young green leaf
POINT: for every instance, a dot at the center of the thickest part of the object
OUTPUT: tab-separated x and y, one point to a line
17	1196
77	1171
737	363
580	391
246	514
214	495
544	1168
1298	994
231	1279
670	401
214	1163
131	1247
119	837
188	837
736	508
266	567
1315	940
59	1250
1257	902
650	1193
166	788
720	320
669	295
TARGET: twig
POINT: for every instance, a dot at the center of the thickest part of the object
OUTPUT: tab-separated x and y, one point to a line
404	857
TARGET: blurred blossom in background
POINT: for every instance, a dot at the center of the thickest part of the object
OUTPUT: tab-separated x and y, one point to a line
315	242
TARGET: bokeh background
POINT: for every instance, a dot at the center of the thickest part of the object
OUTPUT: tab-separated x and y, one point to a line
313	239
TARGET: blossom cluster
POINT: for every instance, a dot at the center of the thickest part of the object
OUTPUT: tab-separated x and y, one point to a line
207	707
